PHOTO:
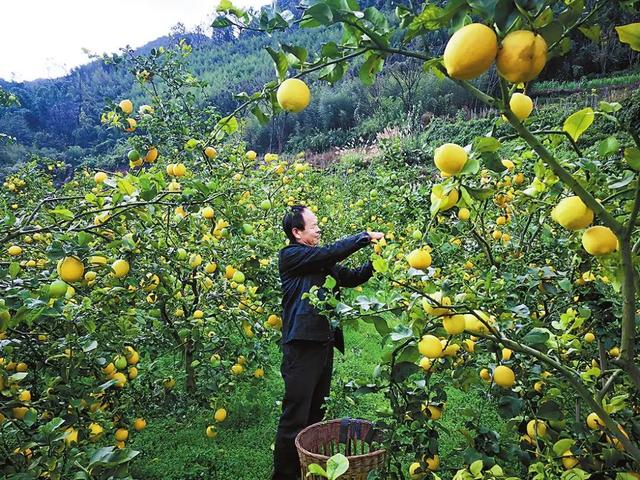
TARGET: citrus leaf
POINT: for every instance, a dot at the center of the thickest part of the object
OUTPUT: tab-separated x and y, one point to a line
630	34
563	445
632	156
577	123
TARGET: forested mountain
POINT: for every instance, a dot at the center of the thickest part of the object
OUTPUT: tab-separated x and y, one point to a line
60	118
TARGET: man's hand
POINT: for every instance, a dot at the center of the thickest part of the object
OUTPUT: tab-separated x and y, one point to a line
375	235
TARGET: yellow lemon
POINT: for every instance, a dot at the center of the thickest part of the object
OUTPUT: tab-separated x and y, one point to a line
521	105
126	106
179	170
208	213
100	177
419	259
436	298
220	415
120	268
210	152
464	214
95	432
454	324
522	56
447	200
504	376
250	155
122	434
151	155
599	240
594	422
120	379
572	213
70	269
14	250
293	95
589	337
450	158
536	428
568	460
470	51
430	346
211	432
139	424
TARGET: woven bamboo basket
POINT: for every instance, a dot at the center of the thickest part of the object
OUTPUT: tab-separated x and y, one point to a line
355	439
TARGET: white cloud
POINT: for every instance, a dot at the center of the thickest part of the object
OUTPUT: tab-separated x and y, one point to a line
45	38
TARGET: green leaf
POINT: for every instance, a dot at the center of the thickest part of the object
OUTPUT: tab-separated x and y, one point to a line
316	15
609	107
630	34
472	166
608	146
506	14
337	465
14	269
632	156
563	445
537	337
380	323
476	467
62	212
592	32
627	178
380	265
228	124
125	186
486	144
298	52
370	68
317	470
191	144
259	114
330	282
280	61
492	162
481	193
578	122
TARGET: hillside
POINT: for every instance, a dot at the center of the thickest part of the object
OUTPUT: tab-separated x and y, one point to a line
59	118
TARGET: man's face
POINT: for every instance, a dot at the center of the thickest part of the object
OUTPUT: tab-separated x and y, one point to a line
311	234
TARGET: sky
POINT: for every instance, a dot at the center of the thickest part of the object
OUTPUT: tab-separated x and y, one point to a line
45	38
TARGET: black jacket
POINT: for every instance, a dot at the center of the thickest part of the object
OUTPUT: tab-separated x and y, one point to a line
302	267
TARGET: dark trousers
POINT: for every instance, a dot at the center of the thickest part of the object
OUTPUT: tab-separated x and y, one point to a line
306	369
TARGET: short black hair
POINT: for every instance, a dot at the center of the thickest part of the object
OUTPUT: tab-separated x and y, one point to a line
293	219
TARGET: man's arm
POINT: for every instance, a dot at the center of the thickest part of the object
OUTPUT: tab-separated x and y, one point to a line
348	277
301	260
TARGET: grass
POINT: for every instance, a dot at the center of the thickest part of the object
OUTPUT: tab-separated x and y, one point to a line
174	446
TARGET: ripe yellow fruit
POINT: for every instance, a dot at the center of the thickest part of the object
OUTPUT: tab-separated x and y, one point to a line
120	268
437	298
71	436
220	415
211	432
259	373
419	259
568	460
485	374
170	168
139	424
506	354
122	434
250	155
614	352
454	324
536	428
24	396
599	240
594	422
447	200
589	337
432	463
14	250
70	269
21	367
521	105
415	472
450	158
152	155
464	214
132	125
120	379
470	51
425	363
522	56
19	412
109	369
237	369
126	106
504	376
293	95
572	213
210	152
133	373
208	213
430	346
100	177
435	413
538	386
95	432
179	170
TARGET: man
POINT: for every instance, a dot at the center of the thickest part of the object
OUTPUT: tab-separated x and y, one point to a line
307	338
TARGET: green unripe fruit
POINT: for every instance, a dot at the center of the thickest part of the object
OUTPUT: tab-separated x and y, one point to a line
133	155
120	362
181	254
247	228
265	204
238	277
417	235
57	289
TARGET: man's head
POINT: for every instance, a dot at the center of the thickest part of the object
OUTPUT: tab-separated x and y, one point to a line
301	226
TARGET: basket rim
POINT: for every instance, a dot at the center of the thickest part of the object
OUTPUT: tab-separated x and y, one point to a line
325	457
